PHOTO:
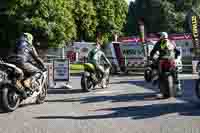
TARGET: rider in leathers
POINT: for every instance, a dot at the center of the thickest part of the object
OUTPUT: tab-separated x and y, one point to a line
24	53
167	50
96	56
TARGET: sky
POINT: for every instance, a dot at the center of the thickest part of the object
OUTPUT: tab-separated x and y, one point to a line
129	0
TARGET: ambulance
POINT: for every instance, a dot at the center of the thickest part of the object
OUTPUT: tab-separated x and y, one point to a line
128	53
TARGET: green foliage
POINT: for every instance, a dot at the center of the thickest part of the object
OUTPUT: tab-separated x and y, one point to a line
111	17
85	18
56	22
160	15
131	23
51	21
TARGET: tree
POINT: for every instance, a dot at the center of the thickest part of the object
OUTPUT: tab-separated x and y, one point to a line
85	18
111	17
162	15
120	12
56	22
50	21
131	23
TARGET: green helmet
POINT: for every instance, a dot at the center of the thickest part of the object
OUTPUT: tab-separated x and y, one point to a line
28	37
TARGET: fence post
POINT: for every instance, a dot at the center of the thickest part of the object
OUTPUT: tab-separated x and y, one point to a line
63	53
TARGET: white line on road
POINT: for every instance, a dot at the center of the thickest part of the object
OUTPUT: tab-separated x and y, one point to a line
109	91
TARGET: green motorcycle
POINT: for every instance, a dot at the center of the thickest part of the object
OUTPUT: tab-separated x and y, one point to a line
91	77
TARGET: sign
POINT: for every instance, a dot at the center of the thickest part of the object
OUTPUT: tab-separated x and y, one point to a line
61	70
193	23
134	50
131	50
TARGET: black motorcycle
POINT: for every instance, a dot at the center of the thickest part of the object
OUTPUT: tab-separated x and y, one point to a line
197	87
9	95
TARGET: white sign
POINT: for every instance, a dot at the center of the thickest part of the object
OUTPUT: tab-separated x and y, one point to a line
61	70
131	50
134	50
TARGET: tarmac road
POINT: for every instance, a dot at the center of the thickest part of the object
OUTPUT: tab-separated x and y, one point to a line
129	105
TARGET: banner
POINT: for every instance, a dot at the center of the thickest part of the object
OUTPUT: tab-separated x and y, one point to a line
193	27
61	70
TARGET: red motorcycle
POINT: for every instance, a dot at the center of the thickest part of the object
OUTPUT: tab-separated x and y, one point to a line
167	78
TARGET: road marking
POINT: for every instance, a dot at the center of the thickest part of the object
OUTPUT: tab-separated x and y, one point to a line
109	91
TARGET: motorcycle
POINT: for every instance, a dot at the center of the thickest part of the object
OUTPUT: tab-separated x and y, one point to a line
197	87
167	77
164	73
9	95
91	77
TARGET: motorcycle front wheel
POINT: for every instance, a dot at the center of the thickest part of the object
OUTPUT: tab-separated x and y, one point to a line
86	83
10	100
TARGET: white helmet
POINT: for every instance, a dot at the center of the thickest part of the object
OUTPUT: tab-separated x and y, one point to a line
163	35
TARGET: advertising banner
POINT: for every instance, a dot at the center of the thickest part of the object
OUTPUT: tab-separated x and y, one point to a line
132	50
61	70
193	26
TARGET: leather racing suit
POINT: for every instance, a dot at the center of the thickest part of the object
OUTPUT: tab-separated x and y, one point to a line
167	50
97	57
22	57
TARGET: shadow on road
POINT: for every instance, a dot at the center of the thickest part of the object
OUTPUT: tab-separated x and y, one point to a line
62	100
188	87
138	112
64	91
121	98
188	107
117	98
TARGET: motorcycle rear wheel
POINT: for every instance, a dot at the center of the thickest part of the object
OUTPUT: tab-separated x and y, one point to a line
167	87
